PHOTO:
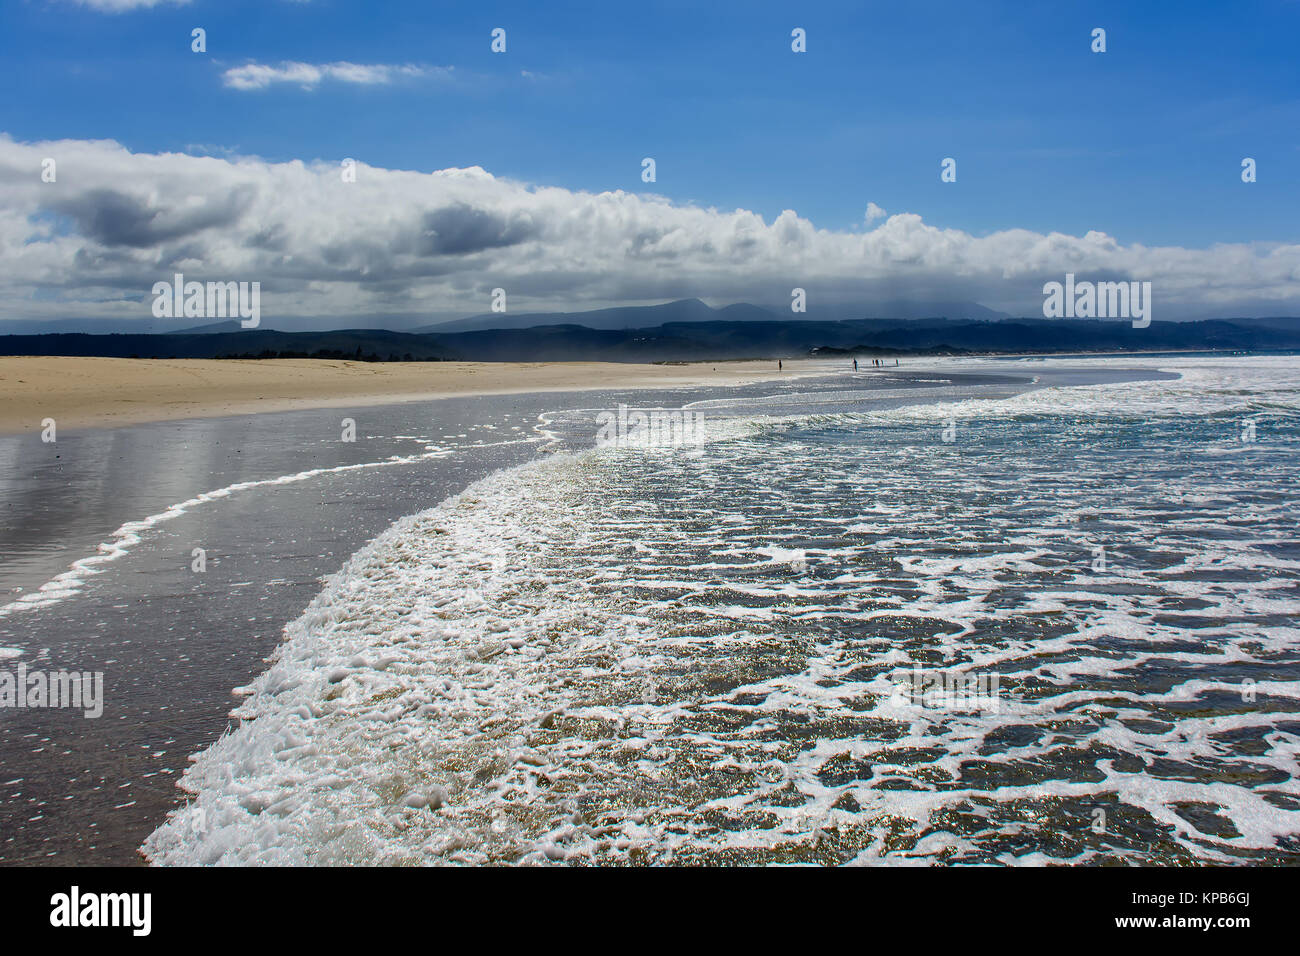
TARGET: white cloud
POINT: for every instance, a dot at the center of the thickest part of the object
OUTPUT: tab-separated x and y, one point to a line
874	212
122	6
402	242
259	76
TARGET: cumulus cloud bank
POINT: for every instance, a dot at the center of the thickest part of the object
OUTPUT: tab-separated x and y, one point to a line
396	242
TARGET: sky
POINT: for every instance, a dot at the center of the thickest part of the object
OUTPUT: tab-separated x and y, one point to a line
522	169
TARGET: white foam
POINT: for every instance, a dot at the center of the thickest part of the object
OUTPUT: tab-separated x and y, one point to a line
1264	385
628	656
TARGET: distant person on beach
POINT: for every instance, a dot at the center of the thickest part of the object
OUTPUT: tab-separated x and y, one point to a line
779	366
855	365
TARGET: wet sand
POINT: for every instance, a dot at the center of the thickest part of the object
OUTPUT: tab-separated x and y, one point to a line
109	392
173	642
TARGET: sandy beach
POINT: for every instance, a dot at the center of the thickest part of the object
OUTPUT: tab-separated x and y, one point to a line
104	392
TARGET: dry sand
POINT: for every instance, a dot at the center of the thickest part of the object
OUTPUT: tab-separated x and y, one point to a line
105	392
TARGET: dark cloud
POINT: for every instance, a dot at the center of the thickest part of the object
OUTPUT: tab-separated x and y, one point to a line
114	218
461	229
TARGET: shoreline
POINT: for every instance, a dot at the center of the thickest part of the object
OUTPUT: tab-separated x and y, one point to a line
272	547
93	393
271	708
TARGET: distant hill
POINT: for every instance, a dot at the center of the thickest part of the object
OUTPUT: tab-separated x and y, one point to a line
683	341
180	326
623	317
93	326
898	309
229	325
693	310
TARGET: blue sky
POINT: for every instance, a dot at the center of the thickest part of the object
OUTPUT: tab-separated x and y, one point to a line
776	170
1143	142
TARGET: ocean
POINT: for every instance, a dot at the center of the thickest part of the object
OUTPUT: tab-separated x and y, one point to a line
99	573
962	621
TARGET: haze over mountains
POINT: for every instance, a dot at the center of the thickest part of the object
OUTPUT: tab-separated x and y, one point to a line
620	317
693	310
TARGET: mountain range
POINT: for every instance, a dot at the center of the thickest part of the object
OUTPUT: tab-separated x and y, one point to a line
741	333
623	317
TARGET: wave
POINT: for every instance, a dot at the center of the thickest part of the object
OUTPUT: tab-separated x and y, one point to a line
622	656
